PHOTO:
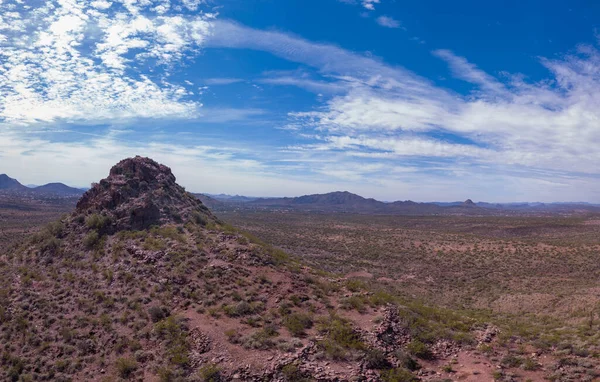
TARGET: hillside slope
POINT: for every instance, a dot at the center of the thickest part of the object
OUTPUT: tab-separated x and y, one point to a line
60	189
8	183
143	282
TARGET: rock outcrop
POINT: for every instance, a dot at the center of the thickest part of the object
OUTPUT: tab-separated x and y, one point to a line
139	193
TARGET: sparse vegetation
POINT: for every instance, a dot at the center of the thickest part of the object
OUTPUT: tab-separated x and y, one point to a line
167	299
297	323
126	367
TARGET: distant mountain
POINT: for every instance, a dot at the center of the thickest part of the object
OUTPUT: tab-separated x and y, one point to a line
333	201
209	201
231	198
58	189
10	184
343	201
468	203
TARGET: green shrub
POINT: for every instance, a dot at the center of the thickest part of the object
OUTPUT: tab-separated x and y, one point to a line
51	244
242	308
233	336
297	323
126	367
530	364
91	240
154	244
292	373
199	218
97	222
406	361
210	373
156	313
376	359
174	332
511	360
169	232
262	339
340	338
354	302
355	285
397	375
419	350
56	229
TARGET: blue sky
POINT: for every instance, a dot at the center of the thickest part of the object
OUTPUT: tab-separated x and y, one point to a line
421	100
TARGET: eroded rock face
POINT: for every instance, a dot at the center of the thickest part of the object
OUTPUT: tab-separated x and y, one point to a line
139	193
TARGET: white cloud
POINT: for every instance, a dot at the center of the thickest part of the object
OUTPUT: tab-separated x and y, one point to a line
463	69
320	87
222	81
508	127
370	4
71	61
388	22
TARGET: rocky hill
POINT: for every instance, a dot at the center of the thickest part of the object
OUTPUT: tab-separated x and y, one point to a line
333	201
8	183
143	282
12	186
59	189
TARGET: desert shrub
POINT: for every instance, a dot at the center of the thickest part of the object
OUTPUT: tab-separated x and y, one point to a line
154	244
210	373
448	368
17	366
355	285
199	218
97	222
261	340
511	360
233	336
397	375
354	302
157	313
91	240
243	308
126	367
292	373
297	323
381	298
529	364
132	235
340	337
174	332
419	350
56	229
169	232
50	244
278	256
376	359
284	309
406	361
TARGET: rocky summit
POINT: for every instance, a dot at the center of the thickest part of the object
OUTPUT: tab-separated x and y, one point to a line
139	193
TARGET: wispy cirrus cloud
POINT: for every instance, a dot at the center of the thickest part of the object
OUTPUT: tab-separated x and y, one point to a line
542	131
67	60
367	4
222	81
388	22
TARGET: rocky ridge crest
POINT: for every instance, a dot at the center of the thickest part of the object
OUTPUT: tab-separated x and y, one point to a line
139	193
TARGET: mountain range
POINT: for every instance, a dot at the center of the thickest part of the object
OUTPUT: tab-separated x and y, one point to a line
344	201
10	185
333	202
